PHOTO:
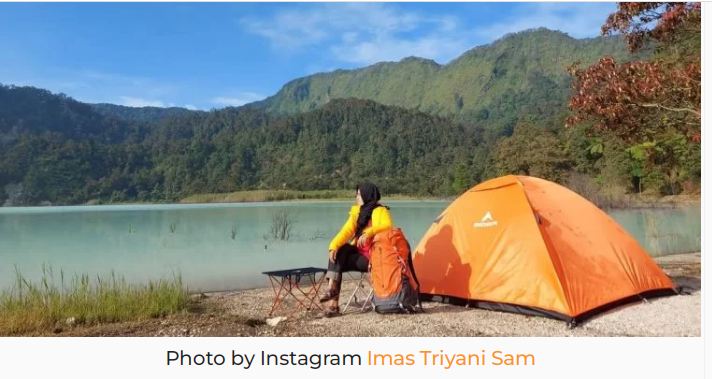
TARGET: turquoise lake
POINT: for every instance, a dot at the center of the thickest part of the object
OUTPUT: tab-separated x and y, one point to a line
227	246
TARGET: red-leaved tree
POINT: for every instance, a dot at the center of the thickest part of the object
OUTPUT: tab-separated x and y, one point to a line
637	100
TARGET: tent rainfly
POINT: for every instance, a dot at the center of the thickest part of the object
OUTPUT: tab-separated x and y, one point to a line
526	245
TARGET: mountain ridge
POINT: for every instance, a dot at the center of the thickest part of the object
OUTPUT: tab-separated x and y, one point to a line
501	77
145	114
521	75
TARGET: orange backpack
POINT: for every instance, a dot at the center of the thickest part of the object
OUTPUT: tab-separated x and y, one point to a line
395	286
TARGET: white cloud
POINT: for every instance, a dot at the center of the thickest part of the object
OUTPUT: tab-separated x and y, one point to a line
190	107
393	49
238	100
361	33
367	33
120	83
94	86
579	20
292	29
139	102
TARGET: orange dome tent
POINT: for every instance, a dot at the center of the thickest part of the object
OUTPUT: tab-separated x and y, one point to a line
527	245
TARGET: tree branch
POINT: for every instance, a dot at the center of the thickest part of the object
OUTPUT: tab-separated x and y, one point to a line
689	110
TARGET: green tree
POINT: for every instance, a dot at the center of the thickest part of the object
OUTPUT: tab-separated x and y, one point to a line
532	151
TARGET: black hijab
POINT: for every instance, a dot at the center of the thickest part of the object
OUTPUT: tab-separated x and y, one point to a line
370	196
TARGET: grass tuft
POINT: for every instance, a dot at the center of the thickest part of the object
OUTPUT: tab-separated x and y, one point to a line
43	306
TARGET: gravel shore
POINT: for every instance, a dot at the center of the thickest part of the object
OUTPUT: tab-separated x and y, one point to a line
244	313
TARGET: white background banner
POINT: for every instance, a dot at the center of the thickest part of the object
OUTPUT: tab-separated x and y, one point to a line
538	357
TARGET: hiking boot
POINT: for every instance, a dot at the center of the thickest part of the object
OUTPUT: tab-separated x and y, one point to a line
333	291
329	295
332	312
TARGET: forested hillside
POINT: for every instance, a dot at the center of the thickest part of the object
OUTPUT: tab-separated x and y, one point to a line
521	76
31	110
232	149
140	114
413	127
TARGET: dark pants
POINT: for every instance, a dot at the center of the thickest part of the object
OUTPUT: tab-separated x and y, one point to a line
347	259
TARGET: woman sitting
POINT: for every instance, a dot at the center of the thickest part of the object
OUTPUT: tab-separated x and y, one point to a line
350	249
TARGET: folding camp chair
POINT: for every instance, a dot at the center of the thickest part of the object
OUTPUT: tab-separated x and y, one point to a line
363	279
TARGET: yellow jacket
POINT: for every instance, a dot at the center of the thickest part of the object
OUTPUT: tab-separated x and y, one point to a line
380	221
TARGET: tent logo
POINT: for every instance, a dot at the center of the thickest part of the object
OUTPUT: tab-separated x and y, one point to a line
487	221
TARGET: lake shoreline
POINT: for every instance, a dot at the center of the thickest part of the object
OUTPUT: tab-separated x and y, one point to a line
293	195
631	202
244	313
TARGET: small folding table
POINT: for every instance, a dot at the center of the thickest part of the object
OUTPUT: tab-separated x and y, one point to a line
301	284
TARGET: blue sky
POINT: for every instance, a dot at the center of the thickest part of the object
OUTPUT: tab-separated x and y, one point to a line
205	56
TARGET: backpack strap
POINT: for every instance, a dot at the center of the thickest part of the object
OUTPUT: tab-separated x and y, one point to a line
415	277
